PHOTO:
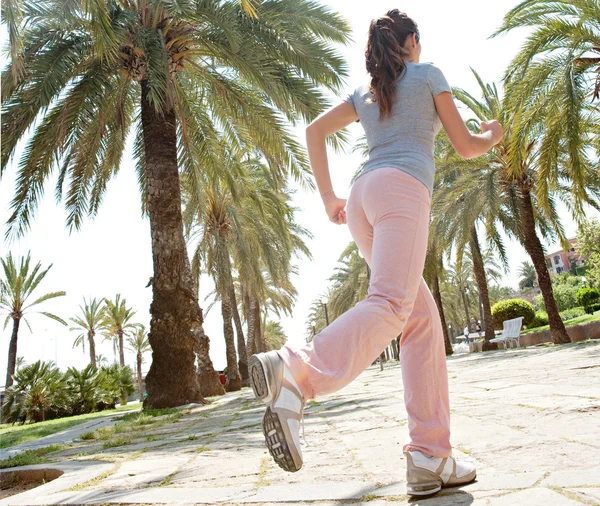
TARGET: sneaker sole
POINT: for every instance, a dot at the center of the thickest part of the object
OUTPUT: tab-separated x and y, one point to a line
277	443
258	380
425	489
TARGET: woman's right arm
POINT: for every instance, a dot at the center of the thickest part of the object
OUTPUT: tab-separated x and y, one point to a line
467	144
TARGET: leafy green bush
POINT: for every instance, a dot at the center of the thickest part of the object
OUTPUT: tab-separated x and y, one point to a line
565	296
38	393
592	308
569	314
587	296
540	319
41	392
510	309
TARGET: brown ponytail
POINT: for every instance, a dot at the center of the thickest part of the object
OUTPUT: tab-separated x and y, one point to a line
385	56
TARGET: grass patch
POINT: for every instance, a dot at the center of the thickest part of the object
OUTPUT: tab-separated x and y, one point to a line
134	422
202	449
119	441
150	413
262	474
30	457
96	480
11	435
575	321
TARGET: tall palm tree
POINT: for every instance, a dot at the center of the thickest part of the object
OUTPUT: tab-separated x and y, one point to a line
457	304
527	274
82	74
468	196
244	223
524	182
139	344
117	323
550	87
432	273
16	288
89	323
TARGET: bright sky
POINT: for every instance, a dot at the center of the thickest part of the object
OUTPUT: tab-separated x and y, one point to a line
111	254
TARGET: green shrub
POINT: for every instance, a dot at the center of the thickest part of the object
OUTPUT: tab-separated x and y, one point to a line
569	314
512	308
587	296
39	393
592	308
540	319
565	296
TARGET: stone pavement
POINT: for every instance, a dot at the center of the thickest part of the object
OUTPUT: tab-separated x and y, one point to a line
529	419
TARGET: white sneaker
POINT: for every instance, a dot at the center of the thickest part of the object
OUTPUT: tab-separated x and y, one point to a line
427	475
273	383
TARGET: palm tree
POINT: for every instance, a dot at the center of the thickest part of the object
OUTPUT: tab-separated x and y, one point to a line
274	335
16	287
90	321
528	198
467	197
527	274
117	323
180	73
139	344
244	223
433	271
550	86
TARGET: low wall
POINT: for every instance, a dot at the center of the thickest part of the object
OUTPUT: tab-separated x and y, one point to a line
577	333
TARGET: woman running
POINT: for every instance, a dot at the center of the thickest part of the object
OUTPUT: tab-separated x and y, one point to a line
401	110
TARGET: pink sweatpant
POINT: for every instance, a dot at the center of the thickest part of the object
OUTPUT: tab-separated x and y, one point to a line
388	217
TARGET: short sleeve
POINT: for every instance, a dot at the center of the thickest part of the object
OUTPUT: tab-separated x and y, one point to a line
437	81
351	99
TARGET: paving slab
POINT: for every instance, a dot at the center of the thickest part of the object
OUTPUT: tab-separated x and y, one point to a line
533	497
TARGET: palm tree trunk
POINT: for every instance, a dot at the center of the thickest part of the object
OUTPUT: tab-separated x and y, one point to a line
92	348
139	376
12	353
463	293
208	378
259	338
239	330
122	364
234	380
482	286
176	316
437	295
534	248
121	349
251	345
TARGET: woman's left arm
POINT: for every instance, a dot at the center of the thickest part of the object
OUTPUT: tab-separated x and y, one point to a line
325	125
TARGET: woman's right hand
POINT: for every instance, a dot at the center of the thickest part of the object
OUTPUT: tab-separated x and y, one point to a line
495	128
336	209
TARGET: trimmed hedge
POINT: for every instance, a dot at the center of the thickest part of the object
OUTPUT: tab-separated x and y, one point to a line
510	309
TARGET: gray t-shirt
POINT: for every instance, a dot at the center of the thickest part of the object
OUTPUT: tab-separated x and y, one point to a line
404	140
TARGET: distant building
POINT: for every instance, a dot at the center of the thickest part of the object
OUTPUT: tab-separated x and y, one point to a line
565	261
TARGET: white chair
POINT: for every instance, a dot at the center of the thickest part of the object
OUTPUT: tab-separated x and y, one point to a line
511	333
